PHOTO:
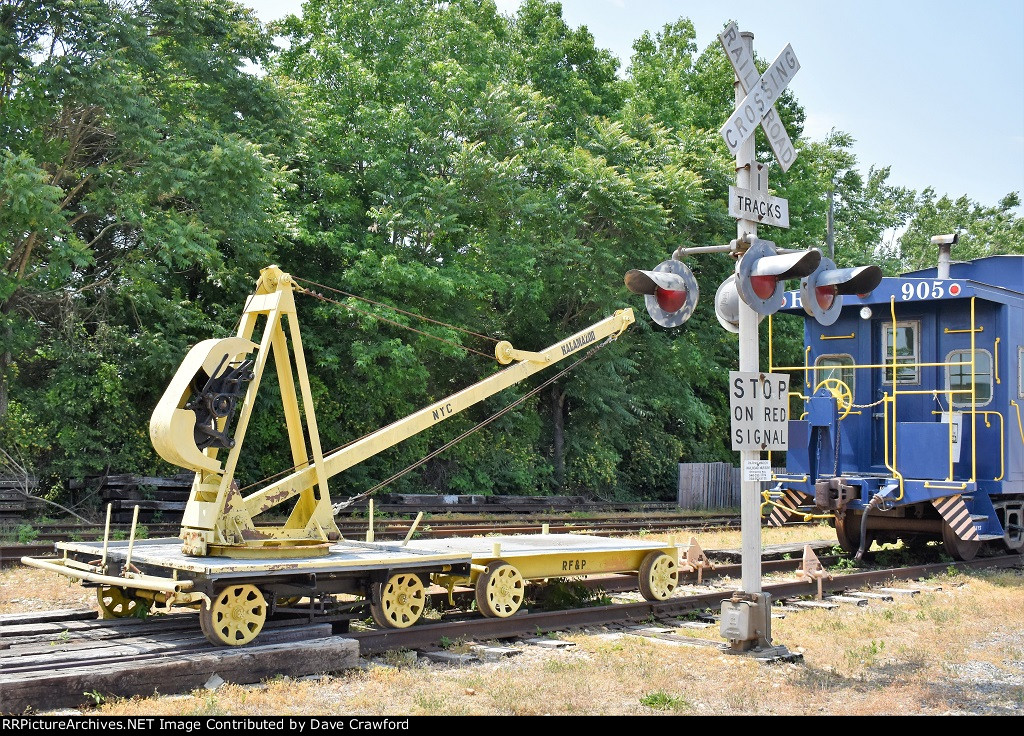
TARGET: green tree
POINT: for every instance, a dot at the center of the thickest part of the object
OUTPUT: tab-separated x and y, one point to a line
498	191
983	230
140	183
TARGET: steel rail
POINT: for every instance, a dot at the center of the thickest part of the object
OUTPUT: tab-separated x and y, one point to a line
426	635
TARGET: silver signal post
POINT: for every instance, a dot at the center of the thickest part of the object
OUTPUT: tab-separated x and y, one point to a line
746	617
750	497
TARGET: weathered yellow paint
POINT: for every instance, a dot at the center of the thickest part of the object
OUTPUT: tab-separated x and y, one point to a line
171	426
572	563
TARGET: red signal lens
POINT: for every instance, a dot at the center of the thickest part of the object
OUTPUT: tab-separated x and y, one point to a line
825	295
763	286
670	300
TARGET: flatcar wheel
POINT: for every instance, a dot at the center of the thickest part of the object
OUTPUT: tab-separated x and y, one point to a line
958	549
658	575
500	590
235	616
115	602
399	602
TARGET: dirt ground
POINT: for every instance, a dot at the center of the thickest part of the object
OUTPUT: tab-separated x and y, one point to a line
956	648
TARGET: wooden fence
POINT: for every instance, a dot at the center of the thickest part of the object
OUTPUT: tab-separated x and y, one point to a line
711	485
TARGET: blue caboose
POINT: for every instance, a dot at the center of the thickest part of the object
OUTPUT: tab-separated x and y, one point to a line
911	423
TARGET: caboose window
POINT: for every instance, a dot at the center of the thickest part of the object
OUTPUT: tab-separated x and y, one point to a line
908	348
958	377
835	366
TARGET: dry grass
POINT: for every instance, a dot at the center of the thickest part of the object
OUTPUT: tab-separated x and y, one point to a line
27	589
956	649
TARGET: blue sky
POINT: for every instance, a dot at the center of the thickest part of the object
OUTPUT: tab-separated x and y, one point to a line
932	88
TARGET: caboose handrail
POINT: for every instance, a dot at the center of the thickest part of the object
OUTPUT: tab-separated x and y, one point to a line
1020	425
860	366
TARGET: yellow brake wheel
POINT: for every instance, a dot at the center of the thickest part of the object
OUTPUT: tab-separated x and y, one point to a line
115	602
658	575
399	602
235	616
841	392
500	590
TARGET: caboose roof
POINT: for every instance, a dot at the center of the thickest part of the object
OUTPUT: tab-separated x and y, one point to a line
1005	271
993	278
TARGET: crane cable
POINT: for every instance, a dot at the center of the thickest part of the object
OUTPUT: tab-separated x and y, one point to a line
318	295
309	292
338	507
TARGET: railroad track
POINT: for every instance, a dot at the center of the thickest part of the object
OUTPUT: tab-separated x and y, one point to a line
49	659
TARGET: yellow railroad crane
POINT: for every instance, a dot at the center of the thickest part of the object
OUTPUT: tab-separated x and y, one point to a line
191	427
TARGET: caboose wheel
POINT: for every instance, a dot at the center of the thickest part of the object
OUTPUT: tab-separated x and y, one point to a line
399	602
500	590
115	602
658	575
235	616
842	393
958	549
848	533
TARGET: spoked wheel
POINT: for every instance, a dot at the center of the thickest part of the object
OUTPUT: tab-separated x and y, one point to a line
848	533
958	549
399	602
659	575
841	392
500	590
235	617
116	602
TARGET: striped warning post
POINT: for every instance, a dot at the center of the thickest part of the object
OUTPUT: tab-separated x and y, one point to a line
954	511
788	503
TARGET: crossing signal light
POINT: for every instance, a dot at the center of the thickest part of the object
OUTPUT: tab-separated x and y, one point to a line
670	292
822	290
727	305
761	275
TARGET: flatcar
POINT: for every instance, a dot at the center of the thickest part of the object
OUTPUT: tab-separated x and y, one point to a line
910	427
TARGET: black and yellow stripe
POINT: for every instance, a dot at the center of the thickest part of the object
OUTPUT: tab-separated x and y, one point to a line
788	503
954	511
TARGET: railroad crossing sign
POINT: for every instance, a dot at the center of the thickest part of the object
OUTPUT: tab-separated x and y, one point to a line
758	107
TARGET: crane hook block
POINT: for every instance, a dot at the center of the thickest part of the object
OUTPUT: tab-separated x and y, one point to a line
193	417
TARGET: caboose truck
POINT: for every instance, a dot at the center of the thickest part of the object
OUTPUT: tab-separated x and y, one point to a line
912	424
237	572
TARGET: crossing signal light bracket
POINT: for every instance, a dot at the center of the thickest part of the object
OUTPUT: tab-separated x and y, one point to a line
762	272
670	291
822	290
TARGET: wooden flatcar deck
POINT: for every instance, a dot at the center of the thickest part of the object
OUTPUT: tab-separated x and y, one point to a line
166	554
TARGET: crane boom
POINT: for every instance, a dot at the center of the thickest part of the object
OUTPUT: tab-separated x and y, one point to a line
192	422
437	412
